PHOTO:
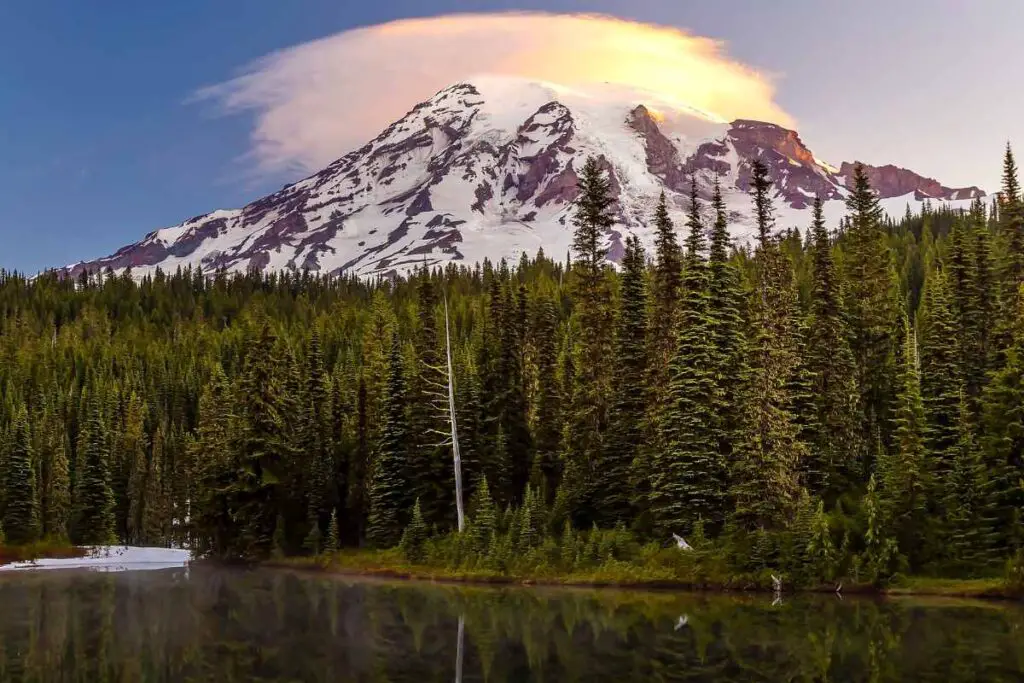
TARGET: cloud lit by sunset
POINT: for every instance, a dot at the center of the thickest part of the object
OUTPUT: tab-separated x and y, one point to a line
315	101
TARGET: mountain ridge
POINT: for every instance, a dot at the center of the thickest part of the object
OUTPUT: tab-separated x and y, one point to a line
487	168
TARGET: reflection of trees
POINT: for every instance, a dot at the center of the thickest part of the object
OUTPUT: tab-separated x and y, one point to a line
228	626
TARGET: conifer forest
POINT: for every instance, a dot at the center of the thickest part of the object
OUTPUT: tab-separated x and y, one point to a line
835	401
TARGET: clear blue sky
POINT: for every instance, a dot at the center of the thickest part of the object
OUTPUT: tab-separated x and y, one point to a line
98	145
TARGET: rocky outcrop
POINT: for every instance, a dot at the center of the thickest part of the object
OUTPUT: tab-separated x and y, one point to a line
893	181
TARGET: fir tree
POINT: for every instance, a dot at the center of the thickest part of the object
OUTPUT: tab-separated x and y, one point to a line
834	441
1012	225
587	416
970	514
547	430
333	537
904	473
155	519
389	486
666	283
93	511
1004	437
20	520
687	477
415	536
259	492
625	429
725	305
768	449
940	372
872	307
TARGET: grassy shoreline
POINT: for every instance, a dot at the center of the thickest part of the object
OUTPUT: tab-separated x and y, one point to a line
39	551
391	565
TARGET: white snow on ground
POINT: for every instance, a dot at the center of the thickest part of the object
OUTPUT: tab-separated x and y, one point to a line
111	559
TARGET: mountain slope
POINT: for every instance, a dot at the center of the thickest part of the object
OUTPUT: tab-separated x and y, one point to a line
487	168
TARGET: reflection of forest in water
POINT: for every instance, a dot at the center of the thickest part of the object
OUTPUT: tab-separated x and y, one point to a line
208	624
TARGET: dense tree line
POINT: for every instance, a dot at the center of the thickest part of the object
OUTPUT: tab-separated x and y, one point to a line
861	388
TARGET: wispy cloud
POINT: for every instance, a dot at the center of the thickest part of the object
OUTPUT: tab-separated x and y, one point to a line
315	101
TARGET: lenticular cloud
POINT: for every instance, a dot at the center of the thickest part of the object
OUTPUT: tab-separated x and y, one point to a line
315	101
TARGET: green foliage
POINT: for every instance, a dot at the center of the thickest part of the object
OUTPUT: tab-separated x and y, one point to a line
20	520
742	396
415	535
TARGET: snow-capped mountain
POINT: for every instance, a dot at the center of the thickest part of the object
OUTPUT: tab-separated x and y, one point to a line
487	168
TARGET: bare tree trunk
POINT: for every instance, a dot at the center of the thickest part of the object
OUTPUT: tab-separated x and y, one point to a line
451	407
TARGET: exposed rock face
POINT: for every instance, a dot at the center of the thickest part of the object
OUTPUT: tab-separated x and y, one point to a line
489	169
892	181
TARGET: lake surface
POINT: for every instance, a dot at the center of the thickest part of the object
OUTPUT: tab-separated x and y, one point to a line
211	624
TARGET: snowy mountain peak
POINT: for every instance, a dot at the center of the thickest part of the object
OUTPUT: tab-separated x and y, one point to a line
487	168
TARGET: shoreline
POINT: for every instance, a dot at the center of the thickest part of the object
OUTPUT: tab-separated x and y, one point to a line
976	589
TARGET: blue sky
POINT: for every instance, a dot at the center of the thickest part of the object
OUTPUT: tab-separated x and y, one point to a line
99	143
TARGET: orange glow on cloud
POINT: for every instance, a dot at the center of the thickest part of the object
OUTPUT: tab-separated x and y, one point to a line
315	101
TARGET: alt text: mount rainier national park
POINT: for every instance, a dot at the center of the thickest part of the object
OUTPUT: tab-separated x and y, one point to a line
545	344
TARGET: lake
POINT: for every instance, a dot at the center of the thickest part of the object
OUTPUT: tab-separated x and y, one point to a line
225	625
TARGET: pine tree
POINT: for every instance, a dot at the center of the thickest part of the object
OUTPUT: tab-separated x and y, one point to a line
666	283
940	372
214	527
904	473
389	486
1003	424
20	520
880	548
317	446
484	516
625	428
260	490
587	416
548	429
93	511
1012	214
725	305
687	477
415	536
970	514
333	537
834	447
155	522
872	307
768	450
56	508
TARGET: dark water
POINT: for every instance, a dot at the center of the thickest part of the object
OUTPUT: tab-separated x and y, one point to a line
208	624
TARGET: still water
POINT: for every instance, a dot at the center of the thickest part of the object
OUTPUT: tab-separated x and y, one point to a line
210	624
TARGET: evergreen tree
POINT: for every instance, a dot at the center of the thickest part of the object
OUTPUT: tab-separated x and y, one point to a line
333	537
625	429
666	283
1004	437
725	305
904	473
155	523
970	514
317	446
389	486
687	477
587	415
768	450
214	527
415	536
20	520
93	511
940	372
259	492
834	446
872	307
547	420
1011	212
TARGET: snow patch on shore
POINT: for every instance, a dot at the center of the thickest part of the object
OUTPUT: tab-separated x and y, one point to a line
111	558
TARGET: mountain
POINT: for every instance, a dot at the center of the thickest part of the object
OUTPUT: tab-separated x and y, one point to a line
487	168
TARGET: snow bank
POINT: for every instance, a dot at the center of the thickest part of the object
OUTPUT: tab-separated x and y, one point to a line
111	559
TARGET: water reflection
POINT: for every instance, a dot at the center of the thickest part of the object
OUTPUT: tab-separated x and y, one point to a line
224	626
